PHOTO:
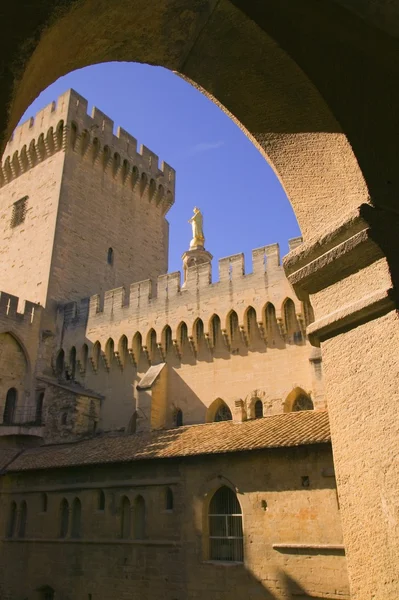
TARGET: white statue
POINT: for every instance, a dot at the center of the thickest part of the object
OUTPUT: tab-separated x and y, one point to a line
197	225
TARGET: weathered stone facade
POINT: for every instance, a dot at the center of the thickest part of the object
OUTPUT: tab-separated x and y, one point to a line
149	352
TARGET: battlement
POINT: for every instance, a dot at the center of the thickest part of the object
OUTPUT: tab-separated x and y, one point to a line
9	309
152	296
65	124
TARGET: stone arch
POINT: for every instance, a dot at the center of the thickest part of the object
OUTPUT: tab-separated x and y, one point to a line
245	77
123	352
109	351
216	410
215	330
291	323
166	339
16	371
252	398
96	355
297	400
137	344
232	327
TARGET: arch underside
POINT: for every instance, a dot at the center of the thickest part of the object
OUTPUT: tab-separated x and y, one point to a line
276	80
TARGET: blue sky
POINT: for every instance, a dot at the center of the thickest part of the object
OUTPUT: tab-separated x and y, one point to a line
217	167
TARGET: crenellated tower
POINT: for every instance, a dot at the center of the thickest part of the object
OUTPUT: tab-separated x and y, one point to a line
82	210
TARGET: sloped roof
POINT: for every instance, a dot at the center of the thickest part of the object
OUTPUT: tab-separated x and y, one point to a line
150	377
284	430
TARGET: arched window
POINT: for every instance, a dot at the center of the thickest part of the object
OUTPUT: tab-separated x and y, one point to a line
101	500
46	593
216	330
223	413
72	362
23	515
125	518
169	500
123	350
76	518
291	322
302	402
109	351
12	520
152	343
252	327
183	334
110	256
271	322
83	357
167	339
59	363
199	331
39	408
258	409
137	345
225	527
179	418
64	518
43	502
139	518
233	325
10	406
96	355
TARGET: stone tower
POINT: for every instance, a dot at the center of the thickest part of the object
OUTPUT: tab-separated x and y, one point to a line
81	209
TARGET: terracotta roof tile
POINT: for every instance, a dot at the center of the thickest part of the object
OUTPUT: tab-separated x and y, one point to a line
284	430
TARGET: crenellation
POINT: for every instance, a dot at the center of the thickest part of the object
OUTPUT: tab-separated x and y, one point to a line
140	294
128	143
9	305
66	123
114	300
168	286
231	267
272	253
295	242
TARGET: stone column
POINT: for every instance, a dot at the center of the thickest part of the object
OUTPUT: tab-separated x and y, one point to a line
351	275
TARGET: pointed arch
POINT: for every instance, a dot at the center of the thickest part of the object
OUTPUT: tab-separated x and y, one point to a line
10	406
166	338
64	518
251	325
110	351
271	327
72	362
125	518
96	149
218	411
123	351
76	519
198	332
139	518
125	170
116	163
74	134
60	363
232	326
291	324
137	344
215	330
12	520
84	142
182	334
106	156
298	400
169	499
179	417
96	353
143	183
84	353
226	539
152	344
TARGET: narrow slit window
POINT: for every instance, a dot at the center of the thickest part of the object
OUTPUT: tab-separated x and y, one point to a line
19	212
110	256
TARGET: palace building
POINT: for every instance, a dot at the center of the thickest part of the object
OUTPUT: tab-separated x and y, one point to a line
162	436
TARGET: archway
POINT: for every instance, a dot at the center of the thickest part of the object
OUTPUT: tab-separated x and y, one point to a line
235	51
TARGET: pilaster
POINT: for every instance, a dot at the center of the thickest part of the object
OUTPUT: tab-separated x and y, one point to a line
351	275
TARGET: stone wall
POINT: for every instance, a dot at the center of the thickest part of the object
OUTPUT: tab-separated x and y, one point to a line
292	532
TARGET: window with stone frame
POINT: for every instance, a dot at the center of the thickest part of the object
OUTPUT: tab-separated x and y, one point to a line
226	540
19	209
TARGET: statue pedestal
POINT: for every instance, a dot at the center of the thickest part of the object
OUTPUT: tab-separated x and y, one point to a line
197	255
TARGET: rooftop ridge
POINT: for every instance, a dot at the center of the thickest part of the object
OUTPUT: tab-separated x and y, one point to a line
274	431
65	124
